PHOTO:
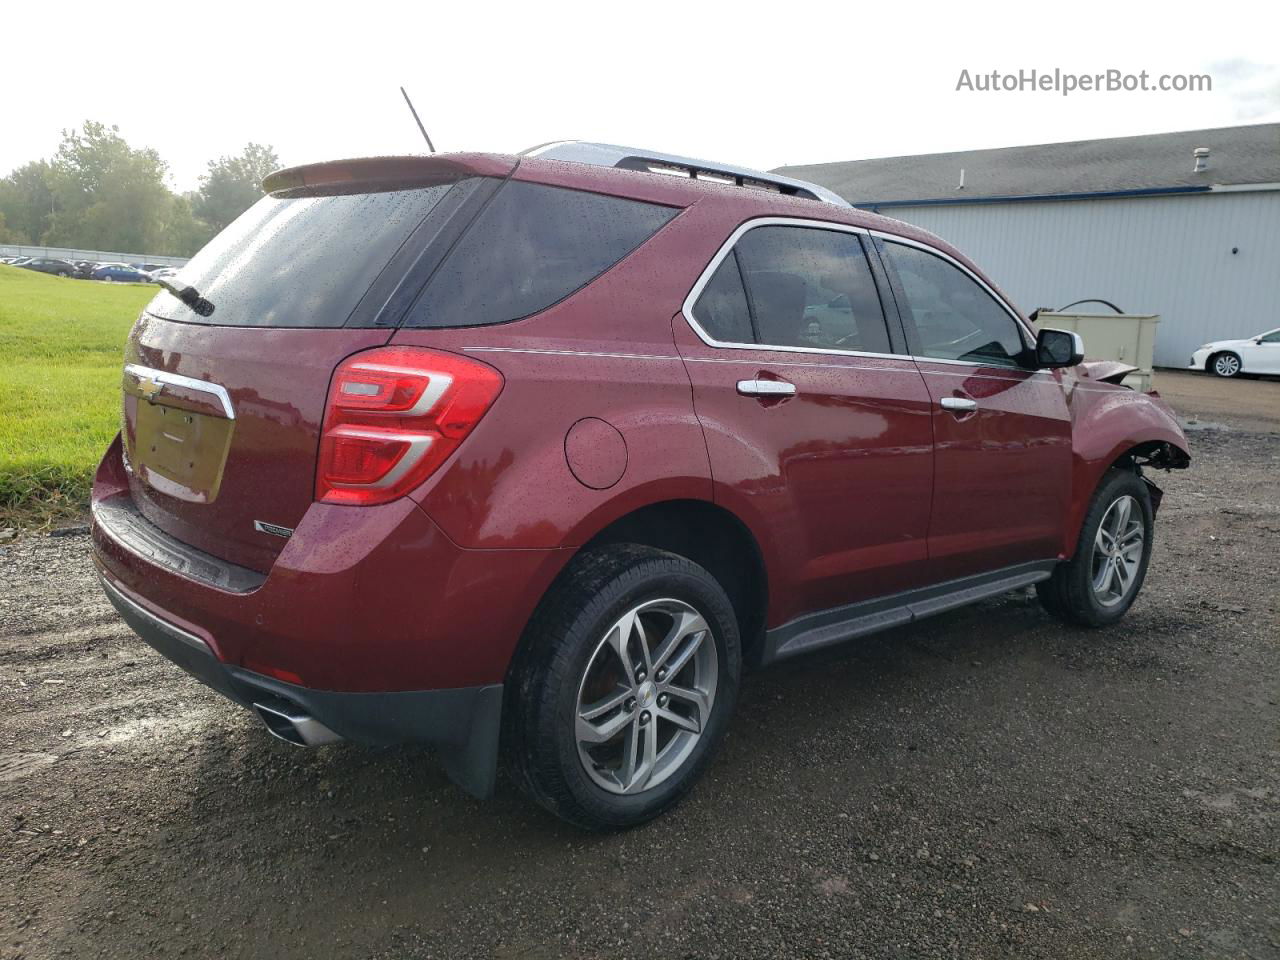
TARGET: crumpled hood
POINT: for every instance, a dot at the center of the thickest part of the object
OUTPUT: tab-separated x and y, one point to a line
1107	371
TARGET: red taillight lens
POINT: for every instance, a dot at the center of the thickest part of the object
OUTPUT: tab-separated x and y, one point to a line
394	415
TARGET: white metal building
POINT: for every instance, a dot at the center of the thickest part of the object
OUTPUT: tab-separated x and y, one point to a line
1186	225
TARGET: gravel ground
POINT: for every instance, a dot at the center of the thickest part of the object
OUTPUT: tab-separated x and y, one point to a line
987	783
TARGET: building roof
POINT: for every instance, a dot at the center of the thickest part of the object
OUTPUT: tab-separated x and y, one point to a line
1154	163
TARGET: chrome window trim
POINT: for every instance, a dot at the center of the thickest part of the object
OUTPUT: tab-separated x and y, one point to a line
139	372
686	308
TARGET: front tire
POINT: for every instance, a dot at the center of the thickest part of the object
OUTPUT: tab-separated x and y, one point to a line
626	683
1225	365
1097	586
107	279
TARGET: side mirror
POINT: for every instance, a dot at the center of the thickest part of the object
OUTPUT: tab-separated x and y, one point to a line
1058	348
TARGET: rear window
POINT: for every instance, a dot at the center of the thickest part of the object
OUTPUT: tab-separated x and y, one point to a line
531	247
300	261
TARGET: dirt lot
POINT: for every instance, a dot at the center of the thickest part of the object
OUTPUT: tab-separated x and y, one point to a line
984	784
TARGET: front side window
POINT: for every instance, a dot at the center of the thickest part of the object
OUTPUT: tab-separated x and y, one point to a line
531	247
804	287
947	315
1272	337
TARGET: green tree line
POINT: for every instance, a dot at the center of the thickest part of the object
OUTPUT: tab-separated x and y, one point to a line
100	193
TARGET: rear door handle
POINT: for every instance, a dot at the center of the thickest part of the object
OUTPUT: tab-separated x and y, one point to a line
958	403
766	388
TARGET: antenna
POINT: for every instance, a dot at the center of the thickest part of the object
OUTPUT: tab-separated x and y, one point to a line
430	146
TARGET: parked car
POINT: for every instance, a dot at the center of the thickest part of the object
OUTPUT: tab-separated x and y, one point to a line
119	272
1230	358
540	453
51	265
162	273
85	268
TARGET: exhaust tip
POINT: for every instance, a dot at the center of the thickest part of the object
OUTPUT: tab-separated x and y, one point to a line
294	726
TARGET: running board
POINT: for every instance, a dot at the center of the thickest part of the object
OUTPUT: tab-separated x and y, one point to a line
817	630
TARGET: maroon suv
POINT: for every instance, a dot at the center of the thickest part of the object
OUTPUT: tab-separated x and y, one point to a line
530	455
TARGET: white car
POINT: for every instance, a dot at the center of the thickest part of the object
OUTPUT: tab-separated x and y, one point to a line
1226	358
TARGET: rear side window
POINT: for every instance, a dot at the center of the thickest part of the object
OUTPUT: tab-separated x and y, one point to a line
722	309
531	247
302	261
947	315
807	287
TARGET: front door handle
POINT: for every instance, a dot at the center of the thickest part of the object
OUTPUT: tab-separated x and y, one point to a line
766	388
958	403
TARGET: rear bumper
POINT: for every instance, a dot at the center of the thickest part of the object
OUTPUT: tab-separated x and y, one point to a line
462	723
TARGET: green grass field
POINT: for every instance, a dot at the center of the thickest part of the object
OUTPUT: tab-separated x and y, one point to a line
61	349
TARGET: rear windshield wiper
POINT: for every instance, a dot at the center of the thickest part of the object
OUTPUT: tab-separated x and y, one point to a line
188	295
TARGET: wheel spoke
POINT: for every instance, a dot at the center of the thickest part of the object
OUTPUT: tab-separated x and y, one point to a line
620	640
589	732
604	705
684	723
683	624
686	652
696	697
1103	540
1124	575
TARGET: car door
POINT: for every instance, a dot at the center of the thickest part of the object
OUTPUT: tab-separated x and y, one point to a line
1002	431
1262	354
817	427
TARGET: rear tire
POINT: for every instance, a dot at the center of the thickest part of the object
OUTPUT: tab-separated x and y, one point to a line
1098	585
1225	365
596	739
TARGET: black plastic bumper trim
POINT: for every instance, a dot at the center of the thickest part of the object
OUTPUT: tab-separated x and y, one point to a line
462	723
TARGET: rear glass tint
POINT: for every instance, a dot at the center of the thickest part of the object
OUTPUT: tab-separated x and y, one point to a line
302	261
531	247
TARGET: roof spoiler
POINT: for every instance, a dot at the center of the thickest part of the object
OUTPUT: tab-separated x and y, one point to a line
670	164
425	171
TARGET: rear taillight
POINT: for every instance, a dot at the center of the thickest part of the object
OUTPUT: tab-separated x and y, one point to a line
394	415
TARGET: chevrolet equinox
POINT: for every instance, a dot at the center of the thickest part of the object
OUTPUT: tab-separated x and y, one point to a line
526	457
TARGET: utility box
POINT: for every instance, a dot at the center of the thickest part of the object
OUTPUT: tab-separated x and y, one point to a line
1127	337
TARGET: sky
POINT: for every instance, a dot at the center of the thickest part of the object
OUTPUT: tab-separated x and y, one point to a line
753	84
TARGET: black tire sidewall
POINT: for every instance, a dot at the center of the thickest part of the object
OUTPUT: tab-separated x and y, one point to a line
648	580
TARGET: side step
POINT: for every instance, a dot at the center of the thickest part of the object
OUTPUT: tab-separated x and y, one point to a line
817	630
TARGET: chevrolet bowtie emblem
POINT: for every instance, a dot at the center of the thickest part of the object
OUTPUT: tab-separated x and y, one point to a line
149	388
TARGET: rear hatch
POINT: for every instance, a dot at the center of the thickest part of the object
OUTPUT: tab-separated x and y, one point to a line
222	412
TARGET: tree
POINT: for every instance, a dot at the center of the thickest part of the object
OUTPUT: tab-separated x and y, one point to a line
107	194
234	184
183	234
25	202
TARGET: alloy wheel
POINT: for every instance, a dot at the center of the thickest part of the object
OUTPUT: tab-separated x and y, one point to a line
1227	365
1117	551
646	696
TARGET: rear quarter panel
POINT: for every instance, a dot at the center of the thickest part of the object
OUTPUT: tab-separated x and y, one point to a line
605	352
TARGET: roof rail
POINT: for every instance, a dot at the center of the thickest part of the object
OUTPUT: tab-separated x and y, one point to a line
651	161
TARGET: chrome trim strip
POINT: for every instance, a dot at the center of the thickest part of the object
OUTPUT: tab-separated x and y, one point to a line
139	372
704	278
190	639
570	353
